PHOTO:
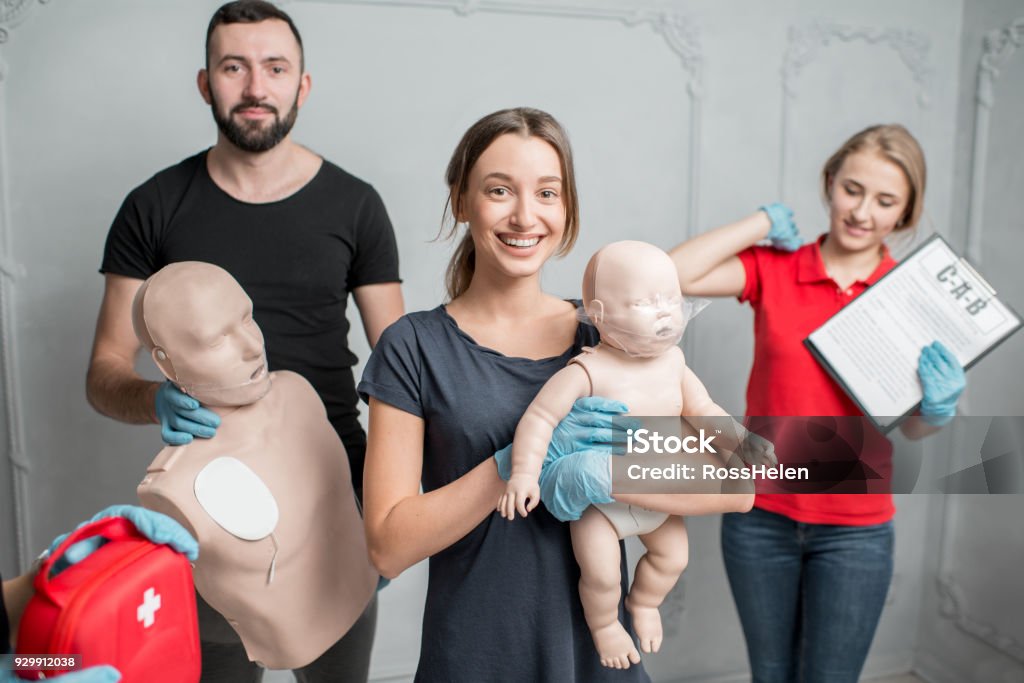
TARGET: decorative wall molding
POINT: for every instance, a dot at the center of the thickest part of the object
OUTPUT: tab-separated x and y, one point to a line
953	601
12	13
1000	45
998	48
805	45
679	32
953	606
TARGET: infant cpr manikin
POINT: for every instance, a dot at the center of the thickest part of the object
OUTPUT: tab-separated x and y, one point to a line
282	550
631	294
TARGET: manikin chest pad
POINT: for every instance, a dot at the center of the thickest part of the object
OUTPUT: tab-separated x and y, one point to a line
238	501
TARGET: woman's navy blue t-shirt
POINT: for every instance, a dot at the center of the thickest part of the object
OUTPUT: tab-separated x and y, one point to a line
503	602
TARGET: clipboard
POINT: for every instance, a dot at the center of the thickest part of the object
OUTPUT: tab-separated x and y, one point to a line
871	346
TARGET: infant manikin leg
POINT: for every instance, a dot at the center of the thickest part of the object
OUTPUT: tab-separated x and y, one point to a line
596	545
656	573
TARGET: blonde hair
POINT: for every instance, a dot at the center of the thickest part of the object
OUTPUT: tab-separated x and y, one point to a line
527	123
896	144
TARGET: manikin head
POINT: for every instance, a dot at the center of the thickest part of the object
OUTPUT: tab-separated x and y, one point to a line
196	321
631	294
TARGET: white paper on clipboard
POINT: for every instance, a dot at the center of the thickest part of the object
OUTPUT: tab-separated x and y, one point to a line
871	347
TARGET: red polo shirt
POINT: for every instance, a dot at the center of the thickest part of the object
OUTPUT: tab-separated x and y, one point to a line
792	295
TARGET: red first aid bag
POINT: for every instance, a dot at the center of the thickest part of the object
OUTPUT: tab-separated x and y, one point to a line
130	604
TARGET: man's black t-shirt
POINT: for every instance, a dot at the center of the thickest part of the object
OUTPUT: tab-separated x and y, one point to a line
297	259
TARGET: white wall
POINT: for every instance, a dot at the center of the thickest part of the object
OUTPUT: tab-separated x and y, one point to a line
682	116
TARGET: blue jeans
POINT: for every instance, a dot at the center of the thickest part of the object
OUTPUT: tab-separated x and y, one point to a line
809	596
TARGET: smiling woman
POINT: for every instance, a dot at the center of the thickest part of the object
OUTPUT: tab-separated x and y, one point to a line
516	217
446	389
512	172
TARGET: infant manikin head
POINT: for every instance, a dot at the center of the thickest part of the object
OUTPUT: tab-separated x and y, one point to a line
631	294
196	321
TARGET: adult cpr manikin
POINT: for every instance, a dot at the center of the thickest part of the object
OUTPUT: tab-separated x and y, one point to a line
283	554
631	294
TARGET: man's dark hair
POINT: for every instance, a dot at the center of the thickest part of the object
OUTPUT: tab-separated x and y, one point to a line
250	12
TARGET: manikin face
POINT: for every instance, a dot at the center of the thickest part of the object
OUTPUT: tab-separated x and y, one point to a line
641	309
513	204
255	85
212	349
868	196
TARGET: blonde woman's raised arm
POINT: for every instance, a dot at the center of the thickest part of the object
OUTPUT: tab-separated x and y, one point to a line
707	263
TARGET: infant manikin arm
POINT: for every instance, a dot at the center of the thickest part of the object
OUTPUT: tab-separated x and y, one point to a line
733	495
533	434
703	413
697	401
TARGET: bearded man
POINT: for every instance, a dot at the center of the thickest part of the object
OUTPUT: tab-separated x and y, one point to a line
296	231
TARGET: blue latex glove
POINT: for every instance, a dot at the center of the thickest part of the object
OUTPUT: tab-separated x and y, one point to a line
588	426
942	381
182	417
571	484
94	674
157	527
783	234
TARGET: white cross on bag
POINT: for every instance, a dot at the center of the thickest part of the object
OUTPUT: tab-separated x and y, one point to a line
146	612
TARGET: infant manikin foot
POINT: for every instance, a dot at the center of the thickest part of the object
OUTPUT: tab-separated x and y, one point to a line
615	647
647	624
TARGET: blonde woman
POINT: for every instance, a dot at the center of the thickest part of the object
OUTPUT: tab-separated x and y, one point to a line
810	572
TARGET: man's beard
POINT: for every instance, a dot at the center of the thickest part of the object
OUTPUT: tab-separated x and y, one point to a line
252	136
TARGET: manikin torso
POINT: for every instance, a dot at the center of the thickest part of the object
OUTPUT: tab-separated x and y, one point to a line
651	387
282	551
322	577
